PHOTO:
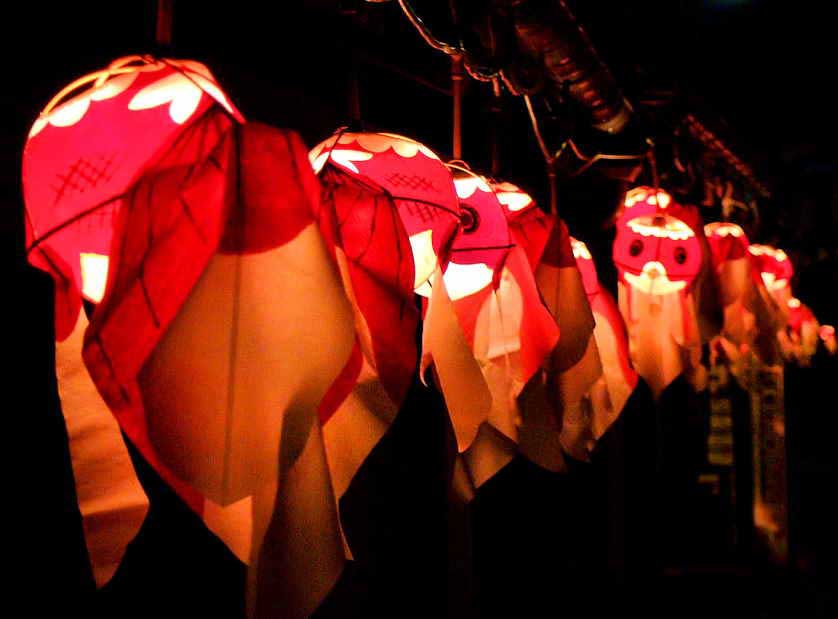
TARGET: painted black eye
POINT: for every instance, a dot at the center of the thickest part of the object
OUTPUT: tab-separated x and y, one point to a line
680	255
636	247
469	219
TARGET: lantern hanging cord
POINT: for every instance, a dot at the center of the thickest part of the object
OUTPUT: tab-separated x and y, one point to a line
442	46
589	161
549	159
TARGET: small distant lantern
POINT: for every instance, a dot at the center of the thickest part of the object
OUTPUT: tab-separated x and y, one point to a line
662	264
750	317
777	271
827	335
803	331
656	249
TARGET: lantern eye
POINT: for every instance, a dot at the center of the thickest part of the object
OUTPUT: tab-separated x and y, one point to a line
469	218
680	255
636	248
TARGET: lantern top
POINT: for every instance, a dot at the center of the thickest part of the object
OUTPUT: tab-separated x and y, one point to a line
420	185
89	147
370	144
512	198
647	196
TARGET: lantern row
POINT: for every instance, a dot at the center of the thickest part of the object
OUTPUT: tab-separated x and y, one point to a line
261	313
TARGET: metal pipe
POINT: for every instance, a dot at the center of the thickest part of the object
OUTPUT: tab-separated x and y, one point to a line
549	33
163	32
457	100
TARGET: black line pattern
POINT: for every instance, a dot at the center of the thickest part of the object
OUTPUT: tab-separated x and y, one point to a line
84	174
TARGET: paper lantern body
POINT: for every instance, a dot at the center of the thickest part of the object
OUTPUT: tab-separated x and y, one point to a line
258	341
750	318
361	221
417	181
663	266
776	270
529	226
482	243
618	377
802	329
546	241
83	155
656	249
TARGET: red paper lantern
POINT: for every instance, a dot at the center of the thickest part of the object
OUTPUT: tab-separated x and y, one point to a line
656	250
574	362
83	155
750	320
618	376
416	180
776	270
665	292
803	331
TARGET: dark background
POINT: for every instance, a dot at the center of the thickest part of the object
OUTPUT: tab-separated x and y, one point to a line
760	74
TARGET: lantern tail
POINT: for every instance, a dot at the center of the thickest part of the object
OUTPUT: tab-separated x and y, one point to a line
111	500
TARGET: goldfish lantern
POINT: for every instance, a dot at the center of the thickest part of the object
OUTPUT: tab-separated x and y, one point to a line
213	226
422	189
504	323
827	335
749	317
546	242
360	220
241	333
608	396
84	155
575	364
416	180
660	259
802	330
776	270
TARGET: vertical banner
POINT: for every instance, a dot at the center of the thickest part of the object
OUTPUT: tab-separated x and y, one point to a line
769	449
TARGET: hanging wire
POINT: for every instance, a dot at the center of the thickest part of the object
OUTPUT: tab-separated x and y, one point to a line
450	49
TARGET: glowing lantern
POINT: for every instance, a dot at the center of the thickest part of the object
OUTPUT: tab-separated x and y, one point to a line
575	363
662	261
610	393
416	180
776	270
750	315
84	154
503	320
422	190
546	241
827	335
361	222
803	332
656	250
209	367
